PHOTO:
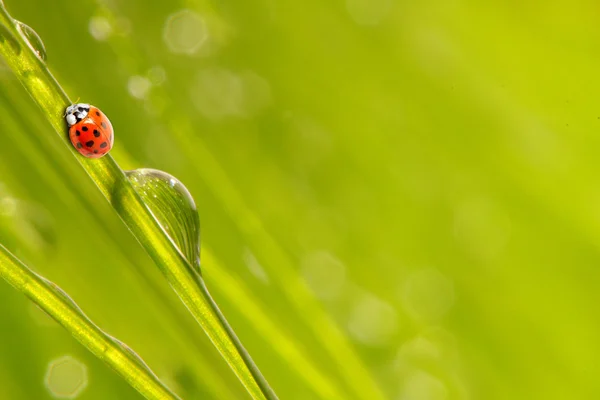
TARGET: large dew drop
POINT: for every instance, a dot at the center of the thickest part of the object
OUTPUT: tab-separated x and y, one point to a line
32	39
173	208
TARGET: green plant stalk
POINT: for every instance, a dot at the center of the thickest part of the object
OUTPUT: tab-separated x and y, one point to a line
114	185
191	289
239	294
103	346
280	266
171	317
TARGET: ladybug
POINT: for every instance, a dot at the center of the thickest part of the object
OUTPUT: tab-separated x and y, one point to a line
90	130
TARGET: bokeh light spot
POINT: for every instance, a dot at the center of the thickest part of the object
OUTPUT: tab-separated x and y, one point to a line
185	32
8	206
257	92
219	93
138	86
373	321
427	294
368	12
423	386
66	377
324	274
100	28
157	75
420	347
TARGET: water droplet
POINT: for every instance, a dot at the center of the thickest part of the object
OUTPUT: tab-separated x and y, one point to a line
8	38
134	356
32	39
172	206
66	377
61	293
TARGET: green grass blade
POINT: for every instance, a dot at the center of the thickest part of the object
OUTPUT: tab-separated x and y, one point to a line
114	185
67	188
59	306
240	295
273	256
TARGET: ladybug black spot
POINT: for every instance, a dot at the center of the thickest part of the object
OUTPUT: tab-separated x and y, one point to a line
96	133
95	151
103	124
103	145
77	133
97	114
85	128
89	143
79	145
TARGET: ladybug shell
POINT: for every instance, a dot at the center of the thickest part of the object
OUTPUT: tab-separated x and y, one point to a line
92	136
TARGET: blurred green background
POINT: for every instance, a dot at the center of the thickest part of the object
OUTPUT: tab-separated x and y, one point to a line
428	170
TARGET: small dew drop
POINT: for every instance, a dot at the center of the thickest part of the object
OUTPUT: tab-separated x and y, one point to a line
135	355
172	206
100	28
33	40
66	377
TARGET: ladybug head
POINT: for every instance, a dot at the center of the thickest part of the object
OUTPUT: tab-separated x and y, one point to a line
76	113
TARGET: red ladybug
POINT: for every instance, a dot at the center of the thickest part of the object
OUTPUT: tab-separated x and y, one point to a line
90	130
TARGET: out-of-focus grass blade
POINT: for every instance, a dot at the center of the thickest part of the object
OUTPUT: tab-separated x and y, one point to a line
59	305
22	55
274	258
67	190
